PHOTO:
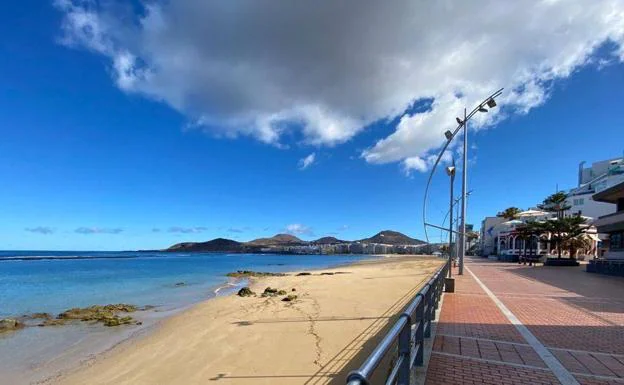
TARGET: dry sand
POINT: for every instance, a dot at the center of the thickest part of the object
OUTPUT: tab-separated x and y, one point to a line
318	339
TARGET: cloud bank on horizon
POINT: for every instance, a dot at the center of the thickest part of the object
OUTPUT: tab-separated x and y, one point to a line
325	70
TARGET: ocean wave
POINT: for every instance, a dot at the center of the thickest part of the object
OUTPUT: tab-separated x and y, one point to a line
228	285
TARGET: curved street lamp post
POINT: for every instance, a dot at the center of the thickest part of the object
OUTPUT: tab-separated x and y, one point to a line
491	103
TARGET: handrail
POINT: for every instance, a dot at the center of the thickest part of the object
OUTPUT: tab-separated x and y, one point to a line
410	330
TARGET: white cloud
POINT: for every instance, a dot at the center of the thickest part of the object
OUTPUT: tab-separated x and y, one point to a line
416	163
187	230
41	230
307	161
97	230
327	68
299	229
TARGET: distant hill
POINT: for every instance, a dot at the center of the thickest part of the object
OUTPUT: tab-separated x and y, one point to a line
390	237
218	244
387	237
277	240
328	241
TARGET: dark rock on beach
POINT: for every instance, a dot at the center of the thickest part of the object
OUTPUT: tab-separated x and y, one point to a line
304	273
270	292
245	292
290	298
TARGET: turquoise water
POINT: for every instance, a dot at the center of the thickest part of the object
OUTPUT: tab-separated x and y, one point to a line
46	281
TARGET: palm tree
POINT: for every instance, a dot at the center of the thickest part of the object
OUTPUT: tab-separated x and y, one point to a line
580	242
555	203
510	213
563	230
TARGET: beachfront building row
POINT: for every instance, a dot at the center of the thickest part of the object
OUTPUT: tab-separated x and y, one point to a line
592	180
498	235
500	238
348	248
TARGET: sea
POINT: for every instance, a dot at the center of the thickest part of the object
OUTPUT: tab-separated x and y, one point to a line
53	281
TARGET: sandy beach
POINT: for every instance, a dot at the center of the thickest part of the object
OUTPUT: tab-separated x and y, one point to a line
316	339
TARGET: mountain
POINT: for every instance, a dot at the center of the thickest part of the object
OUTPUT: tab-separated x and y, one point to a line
277	240
218	244
387	237
390	237
328	241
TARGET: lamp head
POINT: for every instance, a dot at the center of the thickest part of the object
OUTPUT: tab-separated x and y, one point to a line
459	121
483	109
449	135
491	103
450	170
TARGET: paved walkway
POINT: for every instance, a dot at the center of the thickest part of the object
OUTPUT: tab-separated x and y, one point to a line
515	324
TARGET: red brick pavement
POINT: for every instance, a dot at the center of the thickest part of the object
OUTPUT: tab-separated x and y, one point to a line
579	316
447	370
569	308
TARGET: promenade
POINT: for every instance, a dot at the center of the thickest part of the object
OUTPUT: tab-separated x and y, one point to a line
515	324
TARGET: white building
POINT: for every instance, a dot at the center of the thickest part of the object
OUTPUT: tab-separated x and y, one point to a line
591	180
502	239
489	235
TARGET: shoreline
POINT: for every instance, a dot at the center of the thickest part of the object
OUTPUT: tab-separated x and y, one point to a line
49	363
145	331
229	305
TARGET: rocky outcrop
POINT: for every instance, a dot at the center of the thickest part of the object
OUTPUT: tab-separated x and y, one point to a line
10	324
106	314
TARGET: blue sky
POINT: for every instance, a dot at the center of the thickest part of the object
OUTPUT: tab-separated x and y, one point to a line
90	164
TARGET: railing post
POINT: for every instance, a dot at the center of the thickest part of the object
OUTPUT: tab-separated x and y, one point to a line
427	314
405	350
419	336
431	308
436	294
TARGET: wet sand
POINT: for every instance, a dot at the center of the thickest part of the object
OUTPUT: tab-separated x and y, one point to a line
316	339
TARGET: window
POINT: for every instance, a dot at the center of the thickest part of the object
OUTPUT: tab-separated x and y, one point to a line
579	202
616	241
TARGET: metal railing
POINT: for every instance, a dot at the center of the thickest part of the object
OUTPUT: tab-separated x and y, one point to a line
409	331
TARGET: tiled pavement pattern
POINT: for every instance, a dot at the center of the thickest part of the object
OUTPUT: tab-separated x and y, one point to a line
578	316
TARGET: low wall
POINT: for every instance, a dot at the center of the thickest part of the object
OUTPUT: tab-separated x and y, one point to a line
606	266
